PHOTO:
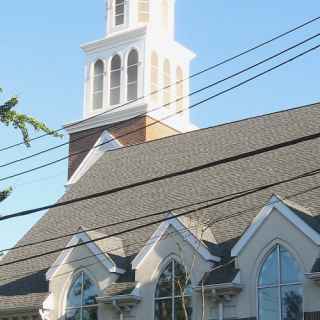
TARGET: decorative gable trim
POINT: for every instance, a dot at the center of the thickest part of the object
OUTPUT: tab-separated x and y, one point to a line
103	257
187	236
95	154
275	203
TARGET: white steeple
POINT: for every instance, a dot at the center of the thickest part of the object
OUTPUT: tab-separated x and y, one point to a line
138	56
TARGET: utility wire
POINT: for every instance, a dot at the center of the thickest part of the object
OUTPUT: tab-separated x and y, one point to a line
169	116
160	107
117	223
190	77
238	195
113	251
170	175
205	225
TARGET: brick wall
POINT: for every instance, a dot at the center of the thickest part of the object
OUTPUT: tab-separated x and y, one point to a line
128	132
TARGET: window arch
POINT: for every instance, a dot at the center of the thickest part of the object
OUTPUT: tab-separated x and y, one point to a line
81	299
115	80
173	294
132	75
98	84
180	90
154	76
119	12
143	11
280	287
165	14
167	83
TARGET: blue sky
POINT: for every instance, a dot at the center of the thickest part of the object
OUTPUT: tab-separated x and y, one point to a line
40	60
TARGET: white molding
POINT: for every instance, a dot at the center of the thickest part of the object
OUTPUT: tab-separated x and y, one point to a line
187	236
95	154
274	203
103	257
107	117
115	39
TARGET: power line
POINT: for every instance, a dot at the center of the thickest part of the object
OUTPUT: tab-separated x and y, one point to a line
170	175
160	107
207	225
158	121
190	77
168	218
111	251
306	174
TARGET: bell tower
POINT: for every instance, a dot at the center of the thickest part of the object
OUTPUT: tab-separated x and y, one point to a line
133	77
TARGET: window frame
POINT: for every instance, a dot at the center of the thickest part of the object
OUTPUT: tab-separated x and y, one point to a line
142	12
115	15
167	85
82	307
279	285
136	82
173	297
97	92
118	87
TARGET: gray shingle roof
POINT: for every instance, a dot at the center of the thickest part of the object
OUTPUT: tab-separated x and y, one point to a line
152	159
224	274
118	289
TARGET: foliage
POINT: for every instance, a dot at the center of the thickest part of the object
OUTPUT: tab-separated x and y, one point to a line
20	121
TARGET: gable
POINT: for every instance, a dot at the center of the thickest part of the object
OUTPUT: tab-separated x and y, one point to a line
184	232
105	143
94	250
275	203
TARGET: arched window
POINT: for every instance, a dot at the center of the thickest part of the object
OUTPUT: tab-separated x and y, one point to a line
154	76
173	294
119	12
280	288
166	83
115	80
132	75
98	84
81	299
180	90
165	14
143	11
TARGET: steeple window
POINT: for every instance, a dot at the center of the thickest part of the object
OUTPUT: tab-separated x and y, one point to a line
98	84
180	90
132	75
119	12
165	14
143	11
154	76
115	80
166	83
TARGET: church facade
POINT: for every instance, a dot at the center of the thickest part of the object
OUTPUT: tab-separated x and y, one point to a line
161	245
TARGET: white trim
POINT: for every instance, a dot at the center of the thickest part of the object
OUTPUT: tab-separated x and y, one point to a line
95	154
187	236
274	203
103	257
107	117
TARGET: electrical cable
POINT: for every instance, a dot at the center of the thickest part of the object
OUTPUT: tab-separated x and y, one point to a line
190	77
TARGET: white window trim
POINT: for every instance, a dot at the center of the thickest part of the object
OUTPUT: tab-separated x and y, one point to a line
279	285
274	203
103	257
187	235
173	297
100	147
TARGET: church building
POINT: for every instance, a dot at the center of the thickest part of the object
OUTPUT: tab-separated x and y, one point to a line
154	225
